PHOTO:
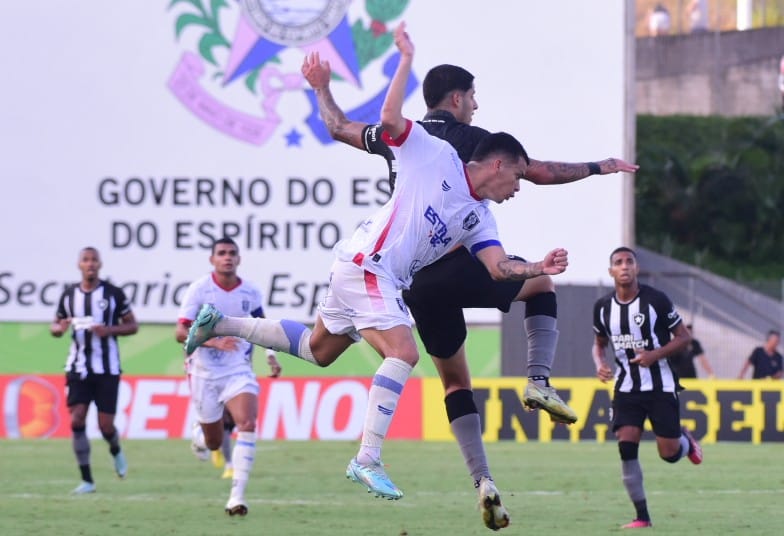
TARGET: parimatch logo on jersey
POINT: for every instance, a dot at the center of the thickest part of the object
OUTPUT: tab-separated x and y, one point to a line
628	342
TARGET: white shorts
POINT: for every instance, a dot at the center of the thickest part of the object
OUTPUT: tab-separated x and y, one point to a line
357	299
209	396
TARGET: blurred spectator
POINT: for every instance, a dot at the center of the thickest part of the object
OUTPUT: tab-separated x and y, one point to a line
683	362
697	11
765	360
659	21
781	81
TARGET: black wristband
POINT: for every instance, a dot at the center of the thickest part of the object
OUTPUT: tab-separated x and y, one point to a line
594	169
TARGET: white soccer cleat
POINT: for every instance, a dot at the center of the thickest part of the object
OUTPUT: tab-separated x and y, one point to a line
494	514
198	446
84	488
236	507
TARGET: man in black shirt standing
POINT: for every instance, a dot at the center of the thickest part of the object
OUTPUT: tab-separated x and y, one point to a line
644	329
97	312
765	360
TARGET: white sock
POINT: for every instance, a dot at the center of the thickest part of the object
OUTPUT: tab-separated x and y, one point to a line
242	457
388	383
280	335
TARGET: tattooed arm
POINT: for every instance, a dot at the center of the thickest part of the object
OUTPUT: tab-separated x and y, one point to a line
502	268
546	173
340	127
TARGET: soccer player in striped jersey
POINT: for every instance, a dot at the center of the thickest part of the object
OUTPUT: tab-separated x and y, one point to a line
97	313
220	372
644	329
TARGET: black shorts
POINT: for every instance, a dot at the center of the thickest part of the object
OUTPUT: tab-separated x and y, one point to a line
441	290
662	409
99	388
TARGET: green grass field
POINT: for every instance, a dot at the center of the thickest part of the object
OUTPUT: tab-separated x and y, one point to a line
29	349
299	488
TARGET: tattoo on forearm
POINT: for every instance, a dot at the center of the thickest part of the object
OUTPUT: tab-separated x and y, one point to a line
518	270
334	117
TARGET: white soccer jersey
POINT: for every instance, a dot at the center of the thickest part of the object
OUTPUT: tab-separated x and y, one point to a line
244	300
432	210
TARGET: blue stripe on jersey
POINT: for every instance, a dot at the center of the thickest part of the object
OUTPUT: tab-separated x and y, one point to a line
387	383
479	246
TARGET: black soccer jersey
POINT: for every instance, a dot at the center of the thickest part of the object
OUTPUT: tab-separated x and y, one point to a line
106	304
644	323
441	124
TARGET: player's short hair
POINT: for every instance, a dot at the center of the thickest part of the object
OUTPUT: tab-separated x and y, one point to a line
89	248
442	80
499	143
224	240
773	332
621	250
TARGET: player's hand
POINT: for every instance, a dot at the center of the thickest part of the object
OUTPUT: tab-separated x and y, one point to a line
614	165
275	368
403	41
555	262
59	326
315	71
644	359
604	373
100	330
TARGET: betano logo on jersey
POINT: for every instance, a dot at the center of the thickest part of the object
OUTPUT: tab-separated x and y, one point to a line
253	54
628	342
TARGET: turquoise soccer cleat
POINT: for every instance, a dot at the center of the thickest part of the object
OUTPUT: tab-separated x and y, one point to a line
375	478
202	328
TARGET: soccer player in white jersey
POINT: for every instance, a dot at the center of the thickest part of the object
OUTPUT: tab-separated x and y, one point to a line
644	329
220	372
438	202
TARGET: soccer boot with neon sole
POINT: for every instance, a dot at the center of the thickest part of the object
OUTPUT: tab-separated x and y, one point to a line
374	478
202	328
494	514
546	398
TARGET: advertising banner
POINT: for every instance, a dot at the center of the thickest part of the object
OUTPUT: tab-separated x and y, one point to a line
148	129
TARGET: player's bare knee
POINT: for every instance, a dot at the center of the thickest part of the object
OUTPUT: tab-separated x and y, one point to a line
246	424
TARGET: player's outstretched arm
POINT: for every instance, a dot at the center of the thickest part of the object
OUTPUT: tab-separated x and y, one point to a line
392	110
340	127
502	268
546	173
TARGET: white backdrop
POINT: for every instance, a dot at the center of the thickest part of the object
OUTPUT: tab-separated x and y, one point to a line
120	134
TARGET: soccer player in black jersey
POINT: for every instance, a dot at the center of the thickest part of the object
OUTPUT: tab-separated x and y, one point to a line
440	292
644	329
97	312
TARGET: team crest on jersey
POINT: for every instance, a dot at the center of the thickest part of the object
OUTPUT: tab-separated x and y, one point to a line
237	65
103	304
638	319
471	221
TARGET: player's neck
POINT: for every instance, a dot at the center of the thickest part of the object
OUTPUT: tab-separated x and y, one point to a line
627	293
89	285
226	281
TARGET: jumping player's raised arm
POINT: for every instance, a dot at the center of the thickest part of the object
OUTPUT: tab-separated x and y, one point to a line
340	127
547	173
392	110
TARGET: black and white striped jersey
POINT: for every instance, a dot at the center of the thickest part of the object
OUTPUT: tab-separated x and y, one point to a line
644	323
106	304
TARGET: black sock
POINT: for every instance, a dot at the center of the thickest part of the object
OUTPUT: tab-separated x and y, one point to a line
642	510
87	475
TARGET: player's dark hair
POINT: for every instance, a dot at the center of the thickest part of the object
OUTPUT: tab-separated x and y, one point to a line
621	250
89	248
442	80
774	332
224	240
499	143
